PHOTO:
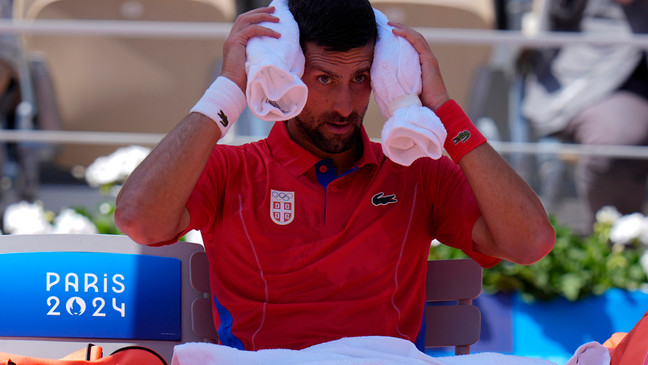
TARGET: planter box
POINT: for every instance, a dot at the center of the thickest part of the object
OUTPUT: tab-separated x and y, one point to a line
554	329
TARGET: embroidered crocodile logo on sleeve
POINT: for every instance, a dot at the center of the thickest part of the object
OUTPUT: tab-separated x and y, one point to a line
461	137
382	199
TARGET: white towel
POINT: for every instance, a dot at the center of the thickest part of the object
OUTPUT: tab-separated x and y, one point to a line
591	353
411	130
274	67
374	350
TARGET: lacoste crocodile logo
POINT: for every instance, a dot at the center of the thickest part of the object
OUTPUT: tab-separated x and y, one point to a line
382	199
223	117
461	137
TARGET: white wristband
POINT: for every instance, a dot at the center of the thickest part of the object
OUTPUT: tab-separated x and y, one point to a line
223	103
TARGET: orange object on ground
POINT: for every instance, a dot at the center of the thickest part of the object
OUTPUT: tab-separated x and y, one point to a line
131	355
614	340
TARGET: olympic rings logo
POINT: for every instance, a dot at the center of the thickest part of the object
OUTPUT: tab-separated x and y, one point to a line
281	195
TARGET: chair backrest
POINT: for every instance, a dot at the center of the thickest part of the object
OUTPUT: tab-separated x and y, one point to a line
454	284
459	63
63	291
450	317
125	84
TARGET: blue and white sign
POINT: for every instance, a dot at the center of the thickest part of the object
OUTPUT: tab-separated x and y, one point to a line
90	294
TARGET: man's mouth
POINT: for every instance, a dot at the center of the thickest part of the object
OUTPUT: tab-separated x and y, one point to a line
339	127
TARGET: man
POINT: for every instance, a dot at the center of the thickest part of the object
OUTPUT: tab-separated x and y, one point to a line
313	234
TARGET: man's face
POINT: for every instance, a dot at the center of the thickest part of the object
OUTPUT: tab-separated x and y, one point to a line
338	93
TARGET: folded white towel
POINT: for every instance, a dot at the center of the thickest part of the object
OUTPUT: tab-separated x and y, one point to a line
274	67
411	130
374	350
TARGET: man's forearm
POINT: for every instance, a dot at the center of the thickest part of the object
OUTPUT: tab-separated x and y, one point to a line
514	225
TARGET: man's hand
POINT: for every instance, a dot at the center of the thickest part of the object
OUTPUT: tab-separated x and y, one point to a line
434	92
245	27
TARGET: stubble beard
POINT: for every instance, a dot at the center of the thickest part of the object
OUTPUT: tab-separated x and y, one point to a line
333	143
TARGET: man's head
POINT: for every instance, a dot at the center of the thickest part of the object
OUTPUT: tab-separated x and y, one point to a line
337	37
337	25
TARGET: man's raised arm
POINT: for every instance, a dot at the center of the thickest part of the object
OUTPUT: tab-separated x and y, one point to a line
514	225
151	204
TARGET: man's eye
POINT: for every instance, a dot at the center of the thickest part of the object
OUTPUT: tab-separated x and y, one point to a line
360	78
324	79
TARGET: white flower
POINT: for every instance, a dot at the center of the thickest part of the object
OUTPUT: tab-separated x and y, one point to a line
644	262
630	227
101	172
116	167
26	218
105	208
435	243
608	214
643	237
69	221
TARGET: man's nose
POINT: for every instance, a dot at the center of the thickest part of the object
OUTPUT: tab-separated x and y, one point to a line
343	103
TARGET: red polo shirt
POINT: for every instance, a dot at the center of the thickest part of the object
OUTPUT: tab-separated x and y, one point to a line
299	257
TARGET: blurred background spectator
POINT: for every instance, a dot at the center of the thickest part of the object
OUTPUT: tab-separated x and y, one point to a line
595	94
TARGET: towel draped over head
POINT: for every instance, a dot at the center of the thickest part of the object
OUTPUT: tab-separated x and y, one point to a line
411	130
274	67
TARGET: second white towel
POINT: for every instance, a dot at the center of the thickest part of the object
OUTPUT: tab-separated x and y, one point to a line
412	130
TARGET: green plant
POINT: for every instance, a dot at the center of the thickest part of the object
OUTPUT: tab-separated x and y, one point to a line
576	268
103	217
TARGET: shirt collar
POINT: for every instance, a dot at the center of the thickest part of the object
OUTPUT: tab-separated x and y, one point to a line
298	160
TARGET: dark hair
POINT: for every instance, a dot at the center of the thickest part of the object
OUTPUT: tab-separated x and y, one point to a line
337	25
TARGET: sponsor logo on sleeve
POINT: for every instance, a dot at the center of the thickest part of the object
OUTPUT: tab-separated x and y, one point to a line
461	137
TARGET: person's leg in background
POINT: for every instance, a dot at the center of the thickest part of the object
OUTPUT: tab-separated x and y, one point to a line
620	119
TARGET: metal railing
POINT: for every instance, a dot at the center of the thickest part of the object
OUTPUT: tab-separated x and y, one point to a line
155	29
221	30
